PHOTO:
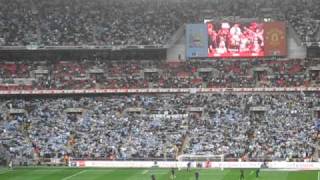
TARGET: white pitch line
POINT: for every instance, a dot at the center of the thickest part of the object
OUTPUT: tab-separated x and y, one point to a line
76	174
251	172
158	173
4	171
145	171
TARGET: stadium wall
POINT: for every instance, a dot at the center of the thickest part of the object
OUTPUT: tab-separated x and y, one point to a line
295	50
183	164
295	47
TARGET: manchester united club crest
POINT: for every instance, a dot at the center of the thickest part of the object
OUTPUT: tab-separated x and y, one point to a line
274	37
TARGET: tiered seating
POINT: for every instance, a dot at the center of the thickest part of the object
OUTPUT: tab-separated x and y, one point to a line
85	74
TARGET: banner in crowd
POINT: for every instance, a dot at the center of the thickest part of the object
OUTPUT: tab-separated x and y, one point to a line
157	90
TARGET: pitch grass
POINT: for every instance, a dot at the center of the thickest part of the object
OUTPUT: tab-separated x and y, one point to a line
144	174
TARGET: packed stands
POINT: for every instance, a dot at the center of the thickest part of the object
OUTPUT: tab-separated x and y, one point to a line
247	125
100	74
161	126
113	22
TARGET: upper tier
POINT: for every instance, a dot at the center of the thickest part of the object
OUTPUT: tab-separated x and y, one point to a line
138	22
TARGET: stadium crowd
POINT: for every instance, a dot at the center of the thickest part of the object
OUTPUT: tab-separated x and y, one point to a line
247	126
98	74
157	126
113	22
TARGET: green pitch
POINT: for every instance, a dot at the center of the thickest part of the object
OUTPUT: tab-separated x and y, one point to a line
144	174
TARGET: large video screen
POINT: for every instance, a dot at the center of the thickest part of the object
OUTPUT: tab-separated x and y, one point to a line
232	40
235	39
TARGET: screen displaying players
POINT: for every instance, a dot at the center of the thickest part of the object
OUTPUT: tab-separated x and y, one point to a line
235	40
